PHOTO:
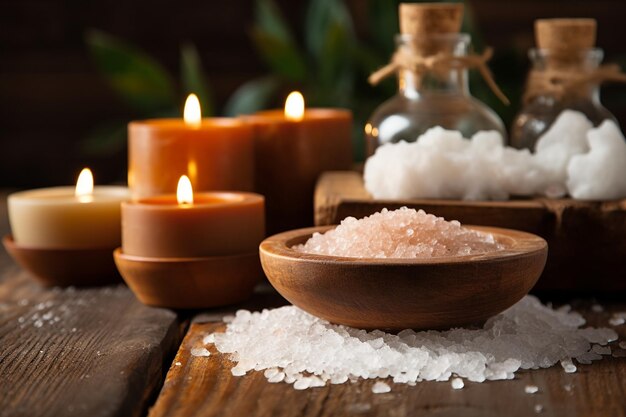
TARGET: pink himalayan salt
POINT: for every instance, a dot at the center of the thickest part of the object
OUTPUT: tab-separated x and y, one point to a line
402	233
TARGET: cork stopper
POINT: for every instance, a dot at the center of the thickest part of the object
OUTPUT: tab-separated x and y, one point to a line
420	19
565	36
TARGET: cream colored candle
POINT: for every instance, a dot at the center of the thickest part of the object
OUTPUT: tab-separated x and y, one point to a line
68	217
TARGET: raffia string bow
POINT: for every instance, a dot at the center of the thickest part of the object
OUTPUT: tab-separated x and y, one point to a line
557	83
404	59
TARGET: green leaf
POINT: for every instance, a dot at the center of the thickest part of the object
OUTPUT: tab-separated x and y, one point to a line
137	78
252	96
193	79
324	16
280	55
270	20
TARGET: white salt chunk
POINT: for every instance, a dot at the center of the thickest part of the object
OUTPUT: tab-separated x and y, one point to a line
618	318
570	157
567	387
177	363
600	174
601	350
386	235
457	383
290	345
209	338
538	408
380	387
531	389
200	351
568	366
622	345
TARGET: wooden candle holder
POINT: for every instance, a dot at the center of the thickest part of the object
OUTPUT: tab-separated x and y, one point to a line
185	283
62	267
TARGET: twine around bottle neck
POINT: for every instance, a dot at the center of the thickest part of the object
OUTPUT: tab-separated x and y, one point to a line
404	59
561	82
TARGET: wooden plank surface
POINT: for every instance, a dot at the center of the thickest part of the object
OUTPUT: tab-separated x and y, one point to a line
78	352
587	249
204	387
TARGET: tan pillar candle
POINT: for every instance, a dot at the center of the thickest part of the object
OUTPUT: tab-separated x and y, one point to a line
207	224
81	217
292	148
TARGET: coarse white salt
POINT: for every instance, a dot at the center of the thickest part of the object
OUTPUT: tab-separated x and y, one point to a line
200	351
568	366
208	339
457	383
380	387
531	389
177	364
618	318
597	308
622	345
292	346
538	408
567	387
402	233
570	157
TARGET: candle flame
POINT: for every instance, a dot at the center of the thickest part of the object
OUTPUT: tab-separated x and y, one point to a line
184	191
192	113
84	186
294	106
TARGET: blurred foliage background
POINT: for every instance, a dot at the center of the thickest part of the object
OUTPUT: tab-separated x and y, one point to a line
325	59
73	74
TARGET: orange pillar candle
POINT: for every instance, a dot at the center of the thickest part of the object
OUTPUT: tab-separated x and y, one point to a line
292	148
188	225
216	153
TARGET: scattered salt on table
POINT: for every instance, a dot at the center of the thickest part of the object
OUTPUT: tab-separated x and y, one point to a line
617	319
200	351
293	346
457	383
380	388
568	366
531	389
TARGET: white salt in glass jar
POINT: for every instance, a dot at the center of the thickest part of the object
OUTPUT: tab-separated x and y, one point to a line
439	96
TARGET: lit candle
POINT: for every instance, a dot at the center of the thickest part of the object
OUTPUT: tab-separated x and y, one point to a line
216	153
293	146
191	225
81	217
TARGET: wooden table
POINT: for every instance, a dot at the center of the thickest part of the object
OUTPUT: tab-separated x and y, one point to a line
98	352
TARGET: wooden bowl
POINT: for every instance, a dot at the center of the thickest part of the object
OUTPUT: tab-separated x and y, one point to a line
398	294
63	267
190	282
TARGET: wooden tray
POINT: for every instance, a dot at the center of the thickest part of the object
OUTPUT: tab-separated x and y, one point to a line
586	240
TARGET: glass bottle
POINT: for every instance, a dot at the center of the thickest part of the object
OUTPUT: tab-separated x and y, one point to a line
442	98
538	114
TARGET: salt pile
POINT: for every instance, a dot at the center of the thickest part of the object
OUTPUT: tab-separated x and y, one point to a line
295	347
402	233
571	158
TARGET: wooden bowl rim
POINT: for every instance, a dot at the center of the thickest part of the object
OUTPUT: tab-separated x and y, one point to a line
522	244
8	242
117	253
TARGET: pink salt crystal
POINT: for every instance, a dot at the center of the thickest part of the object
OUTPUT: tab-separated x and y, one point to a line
402	233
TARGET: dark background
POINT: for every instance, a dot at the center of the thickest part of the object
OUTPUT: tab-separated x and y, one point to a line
51	95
